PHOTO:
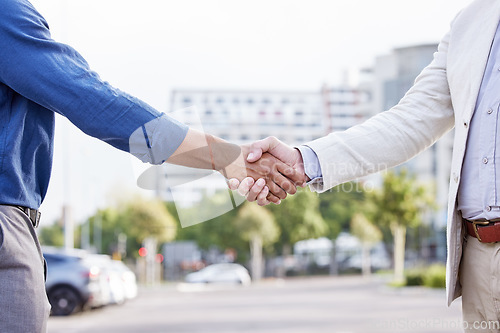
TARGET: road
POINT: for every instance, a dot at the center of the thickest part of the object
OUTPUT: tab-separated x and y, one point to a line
299	305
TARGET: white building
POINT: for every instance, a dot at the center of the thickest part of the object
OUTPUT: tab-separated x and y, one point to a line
292	116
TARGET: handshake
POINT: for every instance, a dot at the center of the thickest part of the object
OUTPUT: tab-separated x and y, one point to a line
266	171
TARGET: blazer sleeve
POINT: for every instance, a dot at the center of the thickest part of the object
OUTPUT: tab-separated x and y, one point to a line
392	137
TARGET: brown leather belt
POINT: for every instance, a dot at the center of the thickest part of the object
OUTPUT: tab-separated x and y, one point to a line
486	231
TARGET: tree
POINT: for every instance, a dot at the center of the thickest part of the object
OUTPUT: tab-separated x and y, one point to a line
141	219
337	208
298	218
218	232
103	229
149	219
399	204
257	226
134	220
52	235
369	235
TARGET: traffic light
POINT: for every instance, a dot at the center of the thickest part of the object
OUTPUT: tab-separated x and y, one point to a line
143	252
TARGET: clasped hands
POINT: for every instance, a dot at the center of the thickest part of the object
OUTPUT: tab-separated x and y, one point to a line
273	169
264	171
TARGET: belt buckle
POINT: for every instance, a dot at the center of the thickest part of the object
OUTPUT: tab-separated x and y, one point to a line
474	225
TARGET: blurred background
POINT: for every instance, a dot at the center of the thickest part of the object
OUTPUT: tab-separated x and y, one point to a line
243	71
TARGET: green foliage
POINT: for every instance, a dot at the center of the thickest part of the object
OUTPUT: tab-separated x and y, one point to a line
401	200
107	221
298	218
399	204
415	276
433	276
255	221
52	235
147	219
137	220
219	231
338	206
365	230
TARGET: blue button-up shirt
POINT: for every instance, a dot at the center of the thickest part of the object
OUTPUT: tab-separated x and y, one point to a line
39	77
478	195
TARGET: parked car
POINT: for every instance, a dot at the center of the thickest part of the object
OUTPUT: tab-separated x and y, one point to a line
73	281
127	278
220	273
110	283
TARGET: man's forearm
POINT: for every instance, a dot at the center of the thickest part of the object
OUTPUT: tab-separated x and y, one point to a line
205	151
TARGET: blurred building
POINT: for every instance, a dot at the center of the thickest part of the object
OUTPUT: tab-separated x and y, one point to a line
292	116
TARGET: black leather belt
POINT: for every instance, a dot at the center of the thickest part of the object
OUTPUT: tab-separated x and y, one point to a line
33	214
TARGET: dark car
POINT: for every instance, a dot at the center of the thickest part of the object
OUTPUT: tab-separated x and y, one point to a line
73	281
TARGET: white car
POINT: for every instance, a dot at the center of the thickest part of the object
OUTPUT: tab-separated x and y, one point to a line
112	283
127	277
221	273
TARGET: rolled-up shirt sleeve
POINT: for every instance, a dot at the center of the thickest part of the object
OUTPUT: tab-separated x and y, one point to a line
58	78
146	142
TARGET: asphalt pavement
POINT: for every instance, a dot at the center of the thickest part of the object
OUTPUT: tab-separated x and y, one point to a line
350	304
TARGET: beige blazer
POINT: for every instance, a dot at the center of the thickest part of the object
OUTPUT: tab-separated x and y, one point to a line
443	96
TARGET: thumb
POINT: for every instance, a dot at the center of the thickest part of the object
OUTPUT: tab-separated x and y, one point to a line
259	147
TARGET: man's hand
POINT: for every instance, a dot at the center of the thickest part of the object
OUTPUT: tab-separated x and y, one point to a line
288	155
204	151
276	177
258	191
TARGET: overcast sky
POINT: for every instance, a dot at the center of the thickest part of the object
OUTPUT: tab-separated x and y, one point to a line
149	47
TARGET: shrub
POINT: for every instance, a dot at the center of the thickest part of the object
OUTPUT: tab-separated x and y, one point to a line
415	277
435	276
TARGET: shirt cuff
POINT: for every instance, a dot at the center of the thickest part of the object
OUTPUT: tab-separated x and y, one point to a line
312	168
156	140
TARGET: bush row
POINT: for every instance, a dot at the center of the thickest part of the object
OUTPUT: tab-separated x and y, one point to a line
433	276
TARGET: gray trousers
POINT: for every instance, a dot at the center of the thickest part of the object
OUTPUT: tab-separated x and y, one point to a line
24	306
